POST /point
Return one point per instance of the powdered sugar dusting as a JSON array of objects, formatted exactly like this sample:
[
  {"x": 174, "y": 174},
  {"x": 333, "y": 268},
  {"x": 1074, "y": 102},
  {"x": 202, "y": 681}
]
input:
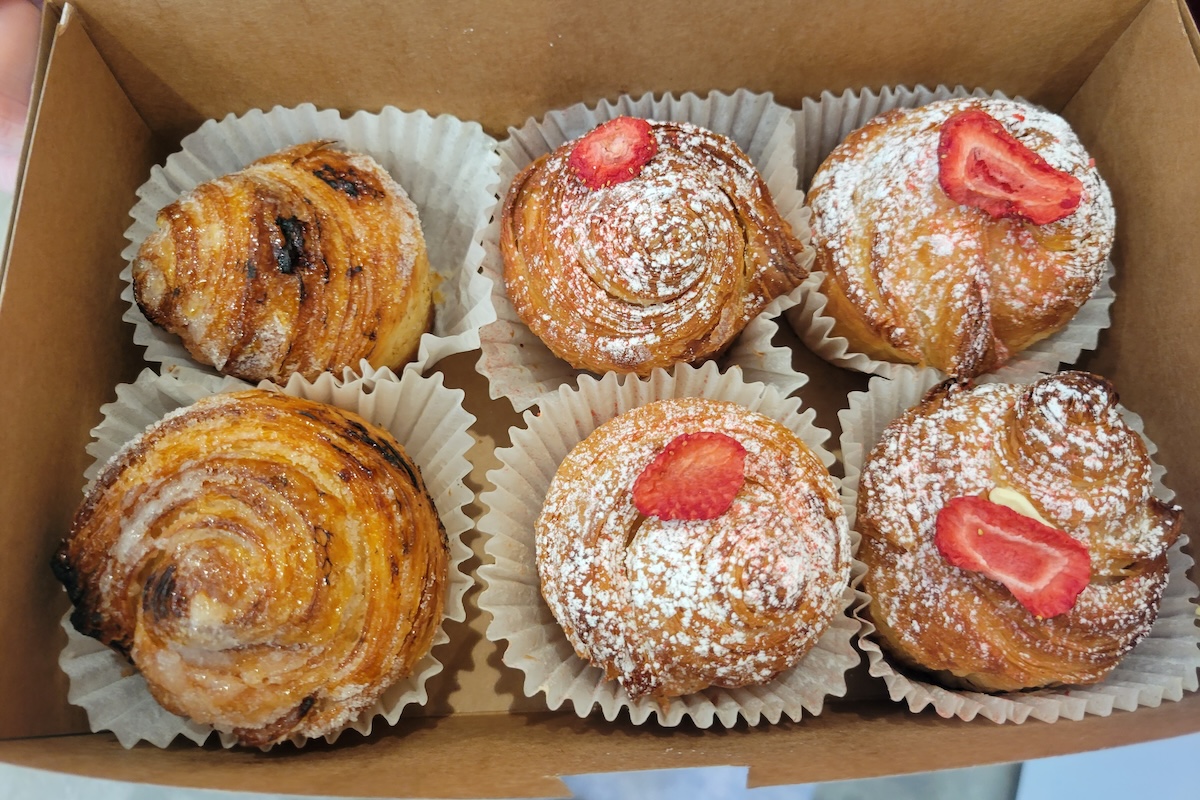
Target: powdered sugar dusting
[
  {"x": 1062, "y": 444},
  {"x": 944, "y": 284},
  {"x": 671, "y": 607}
]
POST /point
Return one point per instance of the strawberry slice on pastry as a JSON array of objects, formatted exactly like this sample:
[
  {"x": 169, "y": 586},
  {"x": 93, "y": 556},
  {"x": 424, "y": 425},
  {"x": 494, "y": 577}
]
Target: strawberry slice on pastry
[
  {"x": 696, "y": 476},
  {"x": 1043, "y": 567},
  {"x": 613, "y": 152},
  {"x": 981, "y": 164}
]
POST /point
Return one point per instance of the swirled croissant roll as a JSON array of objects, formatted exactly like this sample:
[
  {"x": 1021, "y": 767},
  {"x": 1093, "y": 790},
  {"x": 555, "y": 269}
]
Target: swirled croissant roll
[
  {"x": 269, "y": 564},
  {"x": 659, "y": 254},
  {"x": 1010, "y": 534},
  {"x": 308, "y": 260},
  {"x": 957, "y": 234},
  {"x": 692, "y": 543}
]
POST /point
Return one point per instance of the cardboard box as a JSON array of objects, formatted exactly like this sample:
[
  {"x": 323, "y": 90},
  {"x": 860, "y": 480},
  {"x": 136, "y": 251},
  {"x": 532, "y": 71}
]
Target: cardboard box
[{"x": 123, "y": 80}]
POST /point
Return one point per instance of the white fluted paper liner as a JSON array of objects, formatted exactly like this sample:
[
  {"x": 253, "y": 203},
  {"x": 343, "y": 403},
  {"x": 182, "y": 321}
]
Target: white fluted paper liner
[
  {"x": 425, "y": 416},
  {"x": 1161, "y": 667},
  {"x": 518, "y": 366},
  {"x": 821, "y": 125},
  {"x": 512, "y": 595},
  {"x": 447, "y": 167}
]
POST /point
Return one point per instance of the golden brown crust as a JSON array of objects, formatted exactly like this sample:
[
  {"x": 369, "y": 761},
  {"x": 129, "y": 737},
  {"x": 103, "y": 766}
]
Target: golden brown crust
[
  {"x": 664, "y": 268},
  {"x": 269, "y": 564},
  {"x": 672, "y": 607},
  {"x": 307, "y": 260},
  {"x": 1060, "y": 443},
  {"x": 913, "y": 277}
]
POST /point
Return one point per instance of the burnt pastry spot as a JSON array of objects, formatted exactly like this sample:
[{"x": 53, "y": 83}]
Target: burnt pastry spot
[
  {"x": 280, "y": 728},
  {"x": 348, "y": 181},
  {"x": 359, "y": 433},
  {"x": 159, "y": 598},
  {"x": 65, "y": 572},
  {"x": 291, "y": 253}
]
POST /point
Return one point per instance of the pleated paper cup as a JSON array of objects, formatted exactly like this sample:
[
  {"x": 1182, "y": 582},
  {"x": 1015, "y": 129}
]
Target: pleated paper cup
[
  {"x": 516, "y": 362},
  {"x": 1160, "y": 668},
  {"x": 446, "y": 166},
  {"x": 821, "y": 125},
  {"x": 537, "y": 646},
  {"x": 427, "y": 419}
]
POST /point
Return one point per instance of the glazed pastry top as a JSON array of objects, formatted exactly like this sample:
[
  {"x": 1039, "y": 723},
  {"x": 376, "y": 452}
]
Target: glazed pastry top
[
  {"x": 270, "y": 565},
  {"x": 307, "y": 260}
]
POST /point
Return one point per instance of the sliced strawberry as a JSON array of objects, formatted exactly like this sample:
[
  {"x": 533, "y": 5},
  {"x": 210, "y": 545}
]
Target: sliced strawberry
[
  {"x": 613, "y": 152},
  {"x": 981, "y": 164},
  {"x": 696, "y": 476},
  {"x": 1043, "y": 567}
]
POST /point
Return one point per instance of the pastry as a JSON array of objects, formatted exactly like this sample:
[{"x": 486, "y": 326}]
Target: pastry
[
  {"x": 307, "y": 260},
  {"x": 691, "y": 543},
  {"x": 643, "y": 244},
  {"x": 957, "y": 234},
  {"x": 270, "y": 565},
  {"x": 1010, "y": 534}
]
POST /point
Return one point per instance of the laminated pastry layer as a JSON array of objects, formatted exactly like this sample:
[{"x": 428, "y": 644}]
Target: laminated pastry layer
[
  {"x": 308, "y": 260},
  {"x": 1061, "y": 444},
  {"x": 670, "y": 607},
  {"x": 270, "y": 565},
  {"x": 914, "y": 277},
  {"x": 666, "y": 267}
]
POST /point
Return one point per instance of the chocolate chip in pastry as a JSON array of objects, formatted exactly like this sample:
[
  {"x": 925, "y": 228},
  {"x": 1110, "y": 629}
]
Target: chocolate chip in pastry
[
  {"x": 270, "y": 565},
  {"x": 957, "y": 234},
  {"x": 643, "y": 244},
  {"x": 307, "y": 260},
  {"x": 691, "y": 543},
  {"x": 1019, "y": 480}
]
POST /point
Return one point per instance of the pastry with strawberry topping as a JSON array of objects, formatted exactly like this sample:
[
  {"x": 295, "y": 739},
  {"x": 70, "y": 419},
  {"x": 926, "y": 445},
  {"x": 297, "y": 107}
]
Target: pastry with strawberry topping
[
  {"x": 958, "y": 234},
  {"x": 691, "y": 543},
  {"x": 1011, "y": 535},
  {"x": 643, "y": 244}
]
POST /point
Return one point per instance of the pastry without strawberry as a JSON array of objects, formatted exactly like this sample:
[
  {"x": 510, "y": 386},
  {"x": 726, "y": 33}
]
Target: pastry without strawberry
[
  {"x": 1044, "y": 568},
  {"x": 613, "y": 152},
  {"x": 981, "y": 164},
  {"x": 696, "y": 476}
]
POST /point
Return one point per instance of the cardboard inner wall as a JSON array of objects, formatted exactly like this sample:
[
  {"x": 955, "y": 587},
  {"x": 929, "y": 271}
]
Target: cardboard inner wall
[
  {"x": 1139, "y": 114},
  {"x": 183, "y": 62},
  {"x": 63, "y": 348},
  {"x": 177, "y": 63}
]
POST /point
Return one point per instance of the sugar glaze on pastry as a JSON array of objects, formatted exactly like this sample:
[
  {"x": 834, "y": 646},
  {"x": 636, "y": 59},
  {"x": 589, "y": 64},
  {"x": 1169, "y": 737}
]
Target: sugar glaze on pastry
[
  {"x": 669, "y": 607},
  {"x": 1062, "y": 445},
  {"x": 666, "y": 267},
  {"x": 913, "y": 277},
  {"x": 270, "y": 565},
  {"x": 307, "y": 260}
]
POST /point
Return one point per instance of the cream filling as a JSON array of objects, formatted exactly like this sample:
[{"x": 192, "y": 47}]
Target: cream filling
[{"x": 1011, "y": 498}]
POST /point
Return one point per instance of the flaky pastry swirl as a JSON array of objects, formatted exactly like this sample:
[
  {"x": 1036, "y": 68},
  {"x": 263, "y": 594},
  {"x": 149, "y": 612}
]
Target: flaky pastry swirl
[
  {"x": 913, "y": 277},
  {"x": 671, "y": 607},
  {"x": 310, "y": 259},
  {"x": 1062, "y": 444},
  {"x": 270, "y": 565},
  {"x": 666, "y": 267}
]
